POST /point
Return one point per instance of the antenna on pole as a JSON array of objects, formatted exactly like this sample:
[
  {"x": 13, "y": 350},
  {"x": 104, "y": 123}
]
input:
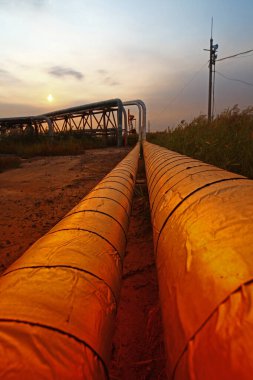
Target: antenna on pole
[{"x": 213, "y": 57}]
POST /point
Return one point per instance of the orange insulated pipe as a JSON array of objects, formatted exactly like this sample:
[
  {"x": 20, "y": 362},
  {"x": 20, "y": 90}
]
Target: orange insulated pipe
[
  {"x": 202, "y": 223},
  {"x": 59, "y": 299}
]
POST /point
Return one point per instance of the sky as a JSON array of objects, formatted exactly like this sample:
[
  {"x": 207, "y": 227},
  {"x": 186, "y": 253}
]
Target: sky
[{"x": 60, "y": 53}]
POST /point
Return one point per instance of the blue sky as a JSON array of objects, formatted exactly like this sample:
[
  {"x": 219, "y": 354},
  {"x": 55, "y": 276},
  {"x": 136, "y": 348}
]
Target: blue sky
[{"x": 82, "y": 51}]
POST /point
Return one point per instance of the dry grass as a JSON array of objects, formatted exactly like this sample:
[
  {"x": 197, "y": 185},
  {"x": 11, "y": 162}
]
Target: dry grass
[
  {"x": 227, "y": 142},
  {"x": 9, "y": 162},
  {"x": 59, "y": 145}
]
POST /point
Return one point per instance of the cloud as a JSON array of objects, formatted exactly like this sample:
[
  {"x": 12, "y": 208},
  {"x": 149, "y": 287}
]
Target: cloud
[
  {"x": 59, "y": 71},
  {"x": 110, "y": 81},
  {"x": 107, "y": 79},
  {"x": 23, "y": 3},
  {"x": 18, "y": 109},
  {"x": 7, "y": 77},
  {"x": 102, "y": 72},
  {"x": 3, "y": 72}
]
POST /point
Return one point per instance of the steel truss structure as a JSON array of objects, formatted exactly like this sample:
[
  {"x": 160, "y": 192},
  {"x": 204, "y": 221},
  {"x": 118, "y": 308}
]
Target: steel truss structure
[{"x": 102, "y": 118}]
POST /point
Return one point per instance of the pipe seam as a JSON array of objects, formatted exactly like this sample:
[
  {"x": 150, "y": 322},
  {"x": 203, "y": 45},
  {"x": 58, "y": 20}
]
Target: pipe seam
[
  {"x": 123, "y": 170},
  {"x": 91, "y": 232},
  {"x": 122, "y": 184},
  {"x": 187, "y": 197},
  {"x": 118, "y": 176},
  {"x": 245, "y": 283},
  {"x": 157, "y": 171},
  {"x": 110, "y": 188},
  {"x": 171, "y": 168},
  {"x": 151, "y": 160},
  {"x": 182, "y": 179},
  {"x": 52, "y": 328},
  {"x": 173, "y": 176},
  {"x": 67, "y": 267},
  {"x": 99, "y": 212},
  {"x": 111, "y": 199}
]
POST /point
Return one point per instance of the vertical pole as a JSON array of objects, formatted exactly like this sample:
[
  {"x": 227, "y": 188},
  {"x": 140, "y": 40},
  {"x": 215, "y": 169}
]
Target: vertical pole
[
  {"x": 126, "y": 126},
  {"x": 210, "y": 81},
  {"x": 105, "y": 128},
  {"x": 119, "y": 142}
]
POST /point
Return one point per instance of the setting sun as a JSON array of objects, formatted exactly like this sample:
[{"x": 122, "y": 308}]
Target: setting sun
[{"x": 50, "y": 98}]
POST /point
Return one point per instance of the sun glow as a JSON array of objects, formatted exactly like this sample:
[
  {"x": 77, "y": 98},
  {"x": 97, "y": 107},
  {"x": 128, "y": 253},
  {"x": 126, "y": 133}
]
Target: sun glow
[{"x": 50, "y": 98}]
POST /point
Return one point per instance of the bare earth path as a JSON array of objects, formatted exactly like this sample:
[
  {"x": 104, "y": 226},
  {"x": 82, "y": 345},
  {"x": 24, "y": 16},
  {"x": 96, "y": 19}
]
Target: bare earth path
[
  {"x": 36, "y": 196},
  {"x": 138, "y": 351}
]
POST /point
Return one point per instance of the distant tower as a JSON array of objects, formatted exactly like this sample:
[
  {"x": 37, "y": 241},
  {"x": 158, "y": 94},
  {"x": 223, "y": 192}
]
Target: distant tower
[{"x": 131, "y": 119}]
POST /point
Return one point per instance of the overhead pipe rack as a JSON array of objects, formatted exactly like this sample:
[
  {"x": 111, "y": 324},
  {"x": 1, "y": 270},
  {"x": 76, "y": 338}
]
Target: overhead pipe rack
[
  {"x": 32, "y": 123},
  {"x": 89, "y": 110},
  {"x": 90, "y": 118},
  {"x": 59, "y": 299},
  {"x": 94, "y": 118},
  {"x": 202, "y": 224},
  {"x": 142, "y": 116}
]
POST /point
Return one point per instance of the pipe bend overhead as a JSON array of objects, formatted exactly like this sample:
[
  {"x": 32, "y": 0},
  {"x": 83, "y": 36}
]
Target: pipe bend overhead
[
  {"x": 59, "y": 299},
  {"x": 202, "y": 224},
  {"x": 142, "y": 116},
  {"x": 116, "y": 104}
]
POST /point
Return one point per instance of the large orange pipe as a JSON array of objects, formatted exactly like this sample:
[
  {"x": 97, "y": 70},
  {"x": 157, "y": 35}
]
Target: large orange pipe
[
  {"x": 58, "y": 301},
  {"x": 202, "y": 223}
]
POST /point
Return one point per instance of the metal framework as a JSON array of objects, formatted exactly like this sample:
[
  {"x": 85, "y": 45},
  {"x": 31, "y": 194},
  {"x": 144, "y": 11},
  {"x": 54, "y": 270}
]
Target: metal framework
[
  {"x": 102, "y": 118},
  {"x": 142, "y": 116},
  {"x": 26, "y": 125}
]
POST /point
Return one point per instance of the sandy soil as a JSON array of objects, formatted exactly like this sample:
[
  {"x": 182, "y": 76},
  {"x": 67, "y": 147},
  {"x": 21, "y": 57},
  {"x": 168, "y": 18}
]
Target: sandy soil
[
  {"x": 138, "y": 351},
  {"x": 36, "y": 196}
]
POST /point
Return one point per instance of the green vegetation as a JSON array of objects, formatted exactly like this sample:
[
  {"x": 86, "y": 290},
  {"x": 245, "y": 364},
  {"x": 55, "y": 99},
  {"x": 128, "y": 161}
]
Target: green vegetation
[
  {"x": 227, "y": 142},
  {"x": 59, "y": 145},
  {"x": 9, "y": 162}
]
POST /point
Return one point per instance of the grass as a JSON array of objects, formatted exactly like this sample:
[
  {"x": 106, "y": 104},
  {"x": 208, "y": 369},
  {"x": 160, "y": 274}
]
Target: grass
[
  {"x": 226, "y": 142},
  {"x": 9, "y": 162},
  {"x": 132, "y": 139},
  {"x": 62, "y": 144}
]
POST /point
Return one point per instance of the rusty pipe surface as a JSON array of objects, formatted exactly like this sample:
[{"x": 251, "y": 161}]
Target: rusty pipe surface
[
  {"x": 59, "y": 299},
  {"x": 202, "y": 224}
]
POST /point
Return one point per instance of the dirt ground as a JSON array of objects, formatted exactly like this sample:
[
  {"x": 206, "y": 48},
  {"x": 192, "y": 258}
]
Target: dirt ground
[{"x": 34, "y": 197}]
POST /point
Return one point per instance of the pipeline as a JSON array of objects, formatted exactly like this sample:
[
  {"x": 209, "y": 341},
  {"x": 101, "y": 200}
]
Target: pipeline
[
  {"x": 202, "y": 224},
  {"x": 59, "y": 299},
  {"x": 92, "y": 106},
  {"x": 142, "y": 116}
]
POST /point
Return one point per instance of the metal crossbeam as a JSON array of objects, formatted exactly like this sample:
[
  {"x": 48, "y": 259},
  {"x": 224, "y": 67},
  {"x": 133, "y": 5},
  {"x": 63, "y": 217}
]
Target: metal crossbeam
[{"x": 101, "y": 118}]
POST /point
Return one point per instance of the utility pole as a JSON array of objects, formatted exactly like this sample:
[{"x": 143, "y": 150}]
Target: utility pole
[
  {"x": 213, "y": 57},
  {"x": 210, "y": 88}
]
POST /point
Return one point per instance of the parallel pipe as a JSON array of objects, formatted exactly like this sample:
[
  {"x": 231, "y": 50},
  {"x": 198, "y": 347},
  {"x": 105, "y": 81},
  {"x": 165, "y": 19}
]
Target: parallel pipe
[
  {"x": 29, "y": 120},
  {"x": 202, "y": 223},
  {"x": 115, "y": 103},
  {"x": 49, "y": 123},
  {"x": 58, "y": 301},
  {"x": 142, "y": 120},
  {"x": 131, "y": 103}
]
